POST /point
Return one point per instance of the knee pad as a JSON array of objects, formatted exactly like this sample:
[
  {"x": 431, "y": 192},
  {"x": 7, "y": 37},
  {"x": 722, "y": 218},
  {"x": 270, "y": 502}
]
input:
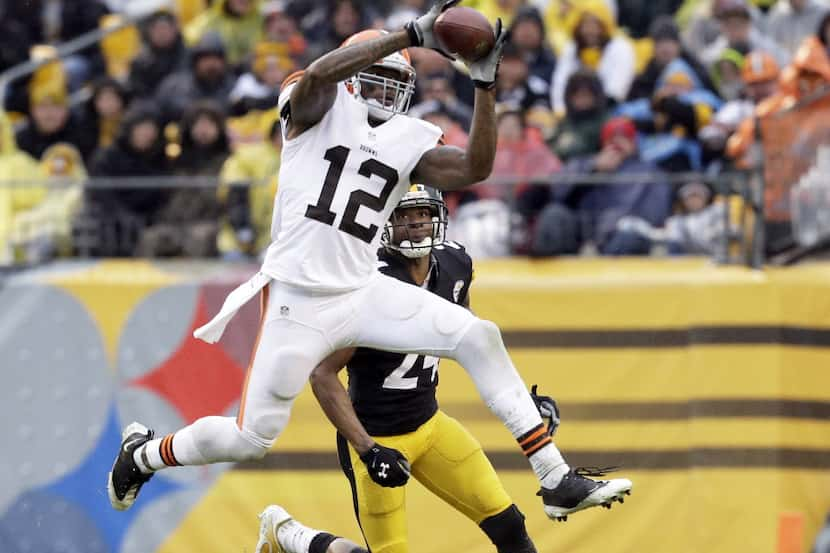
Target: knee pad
[
  {"x": 250, "y": 446},
  {"x": 507, "y": 531}
]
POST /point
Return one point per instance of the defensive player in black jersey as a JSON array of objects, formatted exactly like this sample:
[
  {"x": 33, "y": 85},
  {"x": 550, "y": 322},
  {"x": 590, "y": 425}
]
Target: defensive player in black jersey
[{"x": 393, "y": 396}]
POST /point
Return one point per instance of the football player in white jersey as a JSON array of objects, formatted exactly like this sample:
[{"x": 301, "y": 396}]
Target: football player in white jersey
[{"x": 349, "y": 154}]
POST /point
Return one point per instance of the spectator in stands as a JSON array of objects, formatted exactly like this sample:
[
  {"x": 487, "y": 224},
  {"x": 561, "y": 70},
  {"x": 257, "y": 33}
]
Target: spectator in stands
[
  {"x": 596, "y": 45},
  {"x": 521, "y": 156},
  {"x": 456, "y": 90},
  {"x": 739, "y": 33},
  {"x": 15, "y": 40},
  {"x": 114, "y": 218},
  {"x": 527, "y": 33},
  {"x": 45, "y": 230},
  {"x": 667, "y": 47},
  {"x": 791, "y": 21},
  {"x": 209, "y": 78},
  {"x": 700, "y": 226},
  {"x": 279, "y": 26},
  {"x": 19, "y": 190},
  {"x": 515, "y": 84},
  {"x": 581, "y": 214},
  {"x": 808, "y": 74},
  {"x": 340, "y": 20},
  {"x": 522, "y": 160},
  {"x": 438, "y": 113},
  {"x": 51, "y": 120},
  {"x": 760, "y": 77},
  {"x": 638, "y": 16},
  {"x": 189, "y": 222},
  {"x": 701, "y": 27},
  {"x": 104, "y": 110},
  {"x": 726, "y": 73},
  {"x": 259, "y": 89},
  {"x": 162, "y": 54},
  {"x": 237, "y": 22},
  {"x": 437, "y": 90},
  {"x": 577, "y": 134},
  {"x": 56, "y": 21},
  {"x": 671, "y": 119},
  {"x": 248, "y": 185}
]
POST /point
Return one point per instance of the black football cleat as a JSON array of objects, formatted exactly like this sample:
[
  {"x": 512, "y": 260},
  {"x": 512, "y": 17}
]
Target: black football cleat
[
  {"x": 577, "y": 492},
  {"x": 125, "y": 479}
]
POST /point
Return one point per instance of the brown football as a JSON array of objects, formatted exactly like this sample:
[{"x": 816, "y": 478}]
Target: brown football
[{"x": 464, "y": 32}]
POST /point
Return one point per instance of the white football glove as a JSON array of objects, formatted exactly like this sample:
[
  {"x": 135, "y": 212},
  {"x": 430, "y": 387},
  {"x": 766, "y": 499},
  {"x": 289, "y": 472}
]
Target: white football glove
[
  {"x": 484, "y": 71},
  {"x": 420, "y": 30}
]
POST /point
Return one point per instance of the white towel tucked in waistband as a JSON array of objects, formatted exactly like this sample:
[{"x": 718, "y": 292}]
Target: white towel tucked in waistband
[{"x": 242, "y": 294}]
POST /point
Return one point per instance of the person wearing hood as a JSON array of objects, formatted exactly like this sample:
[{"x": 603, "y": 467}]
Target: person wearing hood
[
  {"x": 759, "y": 75},
  {"x": 671, "y": 119},
  {"x": 15, "y": 197},
  {"x": 104, "y": 110},
  {"x": 45, "y": 229},
  {"x": 583, "y": 213},
  {"x": 50, "y": 118},
  {"x": 189, "y": 222},
  {"x": 596, "y": 44},
  {"x": 577, "y": 133},
  {"x": 208, "y": 78},
  {"x": 248, "y": 185},
  {"x": 668, "y": 47},
  {"x": 791, "y": 21},
  {"x": 259, "y": 88},
  {"x": 335, "y": 21},
  {"x": 808, "y": 74},
  {"x": 739, "y": 33},
  {"x": 116, "y": 216},
  {"x": 527, "y": 33},
  {"x": 162, "y": 54},
  {"x": 516, "y": 85},
  {"x": 237, "y": 22}
]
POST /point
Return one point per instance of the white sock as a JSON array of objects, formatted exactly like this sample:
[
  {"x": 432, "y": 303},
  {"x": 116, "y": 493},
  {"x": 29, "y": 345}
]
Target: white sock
[
  {"x": 294, "y": 537},
  {"x": 148, "y": 458}
]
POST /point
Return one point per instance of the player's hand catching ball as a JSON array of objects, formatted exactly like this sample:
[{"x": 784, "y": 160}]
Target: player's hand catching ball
[
  {"x": 484, "y": 71},
  {"x": 420, "y": 30},
  {"x": 547, "y": 408},
  {"x": 387, "y": 467}
]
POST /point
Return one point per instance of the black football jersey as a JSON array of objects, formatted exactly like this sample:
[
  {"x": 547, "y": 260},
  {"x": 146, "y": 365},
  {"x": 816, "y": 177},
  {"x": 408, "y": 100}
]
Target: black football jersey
[{"x": 394, "y": 393}]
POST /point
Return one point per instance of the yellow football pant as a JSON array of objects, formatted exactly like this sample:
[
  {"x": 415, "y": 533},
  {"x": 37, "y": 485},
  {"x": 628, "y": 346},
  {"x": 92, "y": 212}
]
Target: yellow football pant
[{"x": 447, "y": 460}]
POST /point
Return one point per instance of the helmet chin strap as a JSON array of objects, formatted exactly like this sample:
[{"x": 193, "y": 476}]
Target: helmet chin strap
[{"x": 416, "y": 250}]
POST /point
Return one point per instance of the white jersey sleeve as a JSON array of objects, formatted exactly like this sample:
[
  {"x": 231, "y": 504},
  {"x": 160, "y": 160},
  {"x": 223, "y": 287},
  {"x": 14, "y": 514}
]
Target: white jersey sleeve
[{"x": 339, "y": 182}]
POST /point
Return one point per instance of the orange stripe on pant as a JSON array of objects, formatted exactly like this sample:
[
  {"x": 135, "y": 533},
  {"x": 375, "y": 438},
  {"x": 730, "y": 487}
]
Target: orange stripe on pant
[{"x": 263, "y": 307}]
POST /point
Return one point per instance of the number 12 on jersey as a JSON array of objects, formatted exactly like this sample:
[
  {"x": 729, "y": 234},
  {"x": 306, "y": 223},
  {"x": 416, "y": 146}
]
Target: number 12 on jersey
[
  {"x": 398, "y": 379},
  {"x": 322, "y": 212}
]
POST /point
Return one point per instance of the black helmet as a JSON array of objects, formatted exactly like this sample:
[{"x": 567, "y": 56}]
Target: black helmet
[{"x": 418, "y": 195}]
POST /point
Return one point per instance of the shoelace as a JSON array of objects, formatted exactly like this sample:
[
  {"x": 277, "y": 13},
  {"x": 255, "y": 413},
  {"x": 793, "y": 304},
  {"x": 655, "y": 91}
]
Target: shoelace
[{"x": 595, "y": 472}]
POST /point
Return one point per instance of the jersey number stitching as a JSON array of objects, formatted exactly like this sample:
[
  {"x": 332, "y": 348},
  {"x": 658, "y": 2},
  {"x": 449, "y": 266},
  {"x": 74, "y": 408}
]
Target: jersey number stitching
[
  {"x": 322, "y": 212},
  {"x": 397, "y": 379}
]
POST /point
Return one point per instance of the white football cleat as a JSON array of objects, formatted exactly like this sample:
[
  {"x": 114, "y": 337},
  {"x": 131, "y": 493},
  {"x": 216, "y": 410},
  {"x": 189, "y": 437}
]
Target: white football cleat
[
  {"x": 577, "y": 492},
  {"x": 270, "y": 520}
]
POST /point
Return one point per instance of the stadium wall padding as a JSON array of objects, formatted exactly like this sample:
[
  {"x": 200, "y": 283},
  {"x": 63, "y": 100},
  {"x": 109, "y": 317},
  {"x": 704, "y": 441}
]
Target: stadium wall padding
[{"x": 709, "y": 385}]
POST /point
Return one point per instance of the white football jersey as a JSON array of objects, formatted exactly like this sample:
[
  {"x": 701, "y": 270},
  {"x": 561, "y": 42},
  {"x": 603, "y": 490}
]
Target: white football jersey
[{"x": 338, "y": 184}]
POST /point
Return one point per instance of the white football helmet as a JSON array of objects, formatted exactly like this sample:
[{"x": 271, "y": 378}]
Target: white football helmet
[
  {"x": 417, "y": 196},
  {"x": 395, "y": 94}
]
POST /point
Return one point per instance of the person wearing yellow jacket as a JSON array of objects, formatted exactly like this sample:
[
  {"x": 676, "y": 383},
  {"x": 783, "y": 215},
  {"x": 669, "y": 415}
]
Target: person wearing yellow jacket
[
  {"x": 238, "y": 22},
  {"x": 248, "y": 185},
  {"x": 19, "y": 186}
]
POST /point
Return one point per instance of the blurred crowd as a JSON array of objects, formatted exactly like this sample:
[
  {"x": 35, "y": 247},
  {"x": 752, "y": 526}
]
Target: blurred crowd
[{"x": 631, "y": 90}]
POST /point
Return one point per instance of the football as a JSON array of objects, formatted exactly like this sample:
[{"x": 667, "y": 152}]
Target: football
[{"x": 464, "y": 32}]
